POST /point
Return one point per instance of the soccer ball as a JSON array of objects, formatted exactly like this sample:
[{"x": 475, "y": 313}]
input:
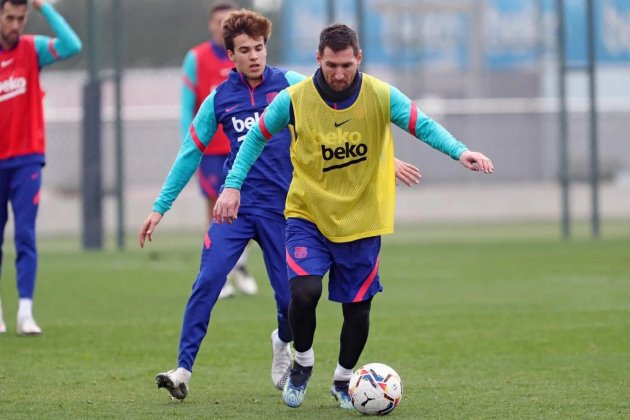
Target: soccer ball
[{"x": 375, "y": 389}]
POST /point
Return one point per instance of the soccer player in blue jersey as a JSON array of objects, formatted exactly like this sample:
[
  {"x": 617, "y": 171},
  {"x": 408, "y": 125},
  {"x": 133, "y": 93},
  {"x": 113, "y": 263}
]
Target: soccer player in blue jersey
[
  {"x": 205, "y": 66},
  {"x": 237, "y": 104},
  {"x": 341, "y": 198},
  {"x": 22, "y": 135}
]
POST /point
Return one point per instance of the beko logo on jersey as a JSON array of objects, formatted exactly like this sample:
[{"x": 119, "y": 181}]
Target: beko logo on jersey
[
  {"x": 350, "y": 148},
  {"x": 244, "y": 125},
  {"x": 12, "y": 87}
]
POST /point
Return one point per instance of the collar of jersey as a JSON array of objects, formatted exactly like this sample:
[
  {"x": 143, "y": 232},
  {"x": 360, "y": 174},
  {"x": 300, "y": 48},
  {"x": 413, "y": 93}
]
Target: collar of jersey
[
  {"x": 235, "y": 76},
  {"x": 330, "y": 95}
]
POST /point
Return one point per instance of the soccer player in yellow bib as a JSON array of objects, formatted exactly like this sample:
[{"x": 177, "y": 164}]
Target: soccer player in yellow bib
[{"x": 342, "y": 195}]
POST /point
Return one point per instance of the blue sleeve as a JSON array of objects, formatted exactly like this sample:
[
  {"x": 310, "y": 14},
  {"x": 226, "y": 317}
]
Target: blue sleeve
[
  {"x": 275, "y": 118},
  {"x": 188, "y": 99},
  {"x": 403, "y": 114},
  {"x": 202, "y": 130},
  {"x": 67, "y": 43}
]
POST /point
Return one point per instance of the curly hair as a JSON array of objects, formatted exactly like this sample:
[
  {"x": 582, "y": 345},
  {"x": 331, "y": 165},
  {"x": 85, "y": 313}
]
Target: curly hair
[{"x": 246, "y": 22}]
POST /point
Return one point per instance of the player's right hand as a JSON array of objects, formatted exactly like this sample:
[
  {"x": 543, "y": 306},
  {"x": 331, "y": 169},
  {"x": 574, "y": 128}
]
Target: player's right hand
[
  {"x": 148, "y": 227},
  {"x": 226, "y": 207},
  {"x": 37, "y": 4}
]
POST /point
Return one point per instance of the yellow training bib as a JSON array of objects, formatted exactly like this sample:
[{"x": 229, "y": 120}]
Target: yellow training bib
[{"x": 343, "y": 163}]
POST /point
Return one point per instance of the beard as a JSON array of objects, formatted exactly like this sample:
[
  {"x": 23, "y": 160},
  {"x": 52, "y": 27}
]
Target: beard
[{"x": 10, "y": 38}]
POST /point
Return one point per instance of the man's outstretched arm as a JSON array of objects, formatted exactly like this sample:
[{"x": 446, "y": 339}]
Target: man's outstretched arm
[
  {"x": 406, "y": 115},
  {"x": 65, "y": 45}
]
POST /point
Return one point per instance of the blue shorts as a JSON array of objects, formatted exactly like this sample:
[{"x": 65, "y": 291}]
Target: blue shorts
[
  {"x": 353, "y": 265},
  {"x": 210, "y": 175}
]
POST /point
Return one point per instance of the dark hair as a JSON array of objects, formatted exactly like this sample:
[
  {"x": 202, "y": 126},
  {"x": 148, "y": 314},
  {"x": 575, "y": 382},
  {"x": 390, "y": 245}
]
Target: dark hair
[
  {"x": 244, "y": 22},
  {"x": 219, "y": 6},
  {"x": 338, "y": 37},
  {"x": 13, "y": 2}
]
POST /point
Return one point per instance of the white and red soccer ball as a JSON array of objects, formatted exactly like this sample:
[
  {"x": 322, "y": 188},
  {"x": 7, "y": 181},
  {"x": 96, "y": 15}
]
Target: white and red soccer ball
[{"x": 375, "y": 389}]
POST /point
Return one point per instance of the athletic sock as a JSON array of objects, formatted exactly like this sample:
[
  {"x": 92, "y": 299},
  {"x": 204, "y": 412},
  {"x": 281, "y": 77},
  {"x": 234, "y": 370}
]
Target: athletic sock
[
  {"x": 342, "y": 374},
  {"x": 278, "y": 344},
  {"x": 242, "y": 259},
  {"x": 306, "y": 359},
  {"x": 25, "y": 308}
]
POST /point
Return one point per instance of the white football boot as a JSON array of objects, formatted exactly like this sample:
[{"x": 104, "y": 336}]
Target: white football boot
[
  {"x": 227, "y": 291},
  {"x": 282, "y": 360},
  {"x": 243, "y": 281},
  {"x": 175, "y": 382},
  {"x": 27, "y": 326}
]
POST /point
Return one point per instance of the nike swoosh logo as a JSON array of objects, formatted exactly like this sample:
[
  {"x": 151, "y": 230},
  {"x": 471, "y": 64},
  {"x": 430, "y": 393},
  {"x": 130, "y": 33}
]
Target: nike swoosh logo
[
  {"x": 341, "y": 123},
  {"x": 232, "y": 108},
  {"x": 6, "y": 63}
]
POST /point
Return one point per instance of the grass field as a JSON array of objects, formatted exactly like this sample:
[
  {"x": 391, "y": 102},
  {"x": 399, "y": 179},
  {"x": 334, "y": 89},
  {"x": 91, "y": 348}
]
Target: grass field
[{"x": 479, "y": 324}]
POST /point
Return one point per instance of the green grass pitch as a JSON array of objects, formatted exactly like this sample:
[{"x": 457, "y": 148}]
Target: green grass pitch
[{"x": 478, "y": 326}]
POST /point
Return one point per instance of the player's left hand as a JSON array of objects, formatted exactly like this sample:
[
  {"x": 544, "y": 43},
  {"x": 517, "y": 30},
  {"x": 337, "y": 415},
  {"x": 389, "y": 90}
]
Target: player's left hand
[
  {"x": 406, "y": 173},
  {"x": 477, "y": 162},
  {"x": 226, "y": 207}
]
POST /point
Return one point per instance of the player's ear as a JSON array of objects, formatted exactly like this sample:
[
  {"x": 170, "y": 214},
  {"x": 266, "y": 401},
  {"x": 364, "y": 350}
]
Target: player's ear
[
  {"x": 359, "y": 57},
  {"x": 319, "y": 58},
  {"x": 230, "y": 54}
]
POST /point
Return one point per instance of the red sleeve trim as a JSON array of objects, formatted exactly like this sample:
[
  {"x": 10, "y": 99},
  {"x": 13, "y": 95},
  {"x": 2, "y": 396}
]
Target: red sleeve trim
[
  {"x": 413, "y": 118},
  {"x": 195, "y": 137},
  {"x": 189, "y": 84},
  {"x": 263, "y": 127},
  {"x": 52, "y": 49}
]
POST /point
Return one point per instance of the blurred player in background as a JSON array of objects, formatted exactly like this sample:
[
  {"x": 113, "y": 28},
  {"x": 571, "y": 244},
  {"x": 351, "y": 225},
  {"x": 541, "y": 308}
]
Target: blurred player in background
[
  {"x": 237, "y": 104},
  {"x": 342, "y": 194},
  {"x": 22, "y": 142},
  {"x": 205, "y": 66}
]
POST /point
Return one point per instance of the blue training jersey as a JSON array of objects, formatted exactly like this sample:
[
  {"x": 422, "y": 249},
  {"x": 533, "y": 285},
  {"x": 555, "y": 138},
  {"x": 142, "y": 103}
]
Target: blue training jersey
[{"x": 237, "y": 107}]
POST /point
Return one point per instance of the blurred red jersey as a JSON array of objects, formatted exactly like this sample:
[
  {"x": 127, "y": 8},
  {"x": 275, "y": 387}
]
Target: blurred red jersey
[
  {"x": 211, "y": 71},
  {"x": 21, "y": 112}
]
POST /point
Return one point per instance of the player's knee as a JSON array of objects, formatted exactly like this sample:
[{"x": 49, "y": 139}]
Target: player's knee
[
  {"x": 209, "y": 282},
  {"x": 24, "y": 238},
  {"x": 357, "y": 312},
  {"x": 306, "y": 290}
]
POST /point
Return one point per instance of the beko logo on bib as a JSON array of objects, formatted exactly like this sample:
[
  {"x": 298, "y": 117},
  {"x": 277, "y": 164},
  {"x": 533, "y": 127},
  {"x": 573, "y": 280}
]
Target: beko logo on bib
[
  {"x": 12, "y": 87},
  {"x": 244, "y": 125},
  {"x": 344, "y": 146}
]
